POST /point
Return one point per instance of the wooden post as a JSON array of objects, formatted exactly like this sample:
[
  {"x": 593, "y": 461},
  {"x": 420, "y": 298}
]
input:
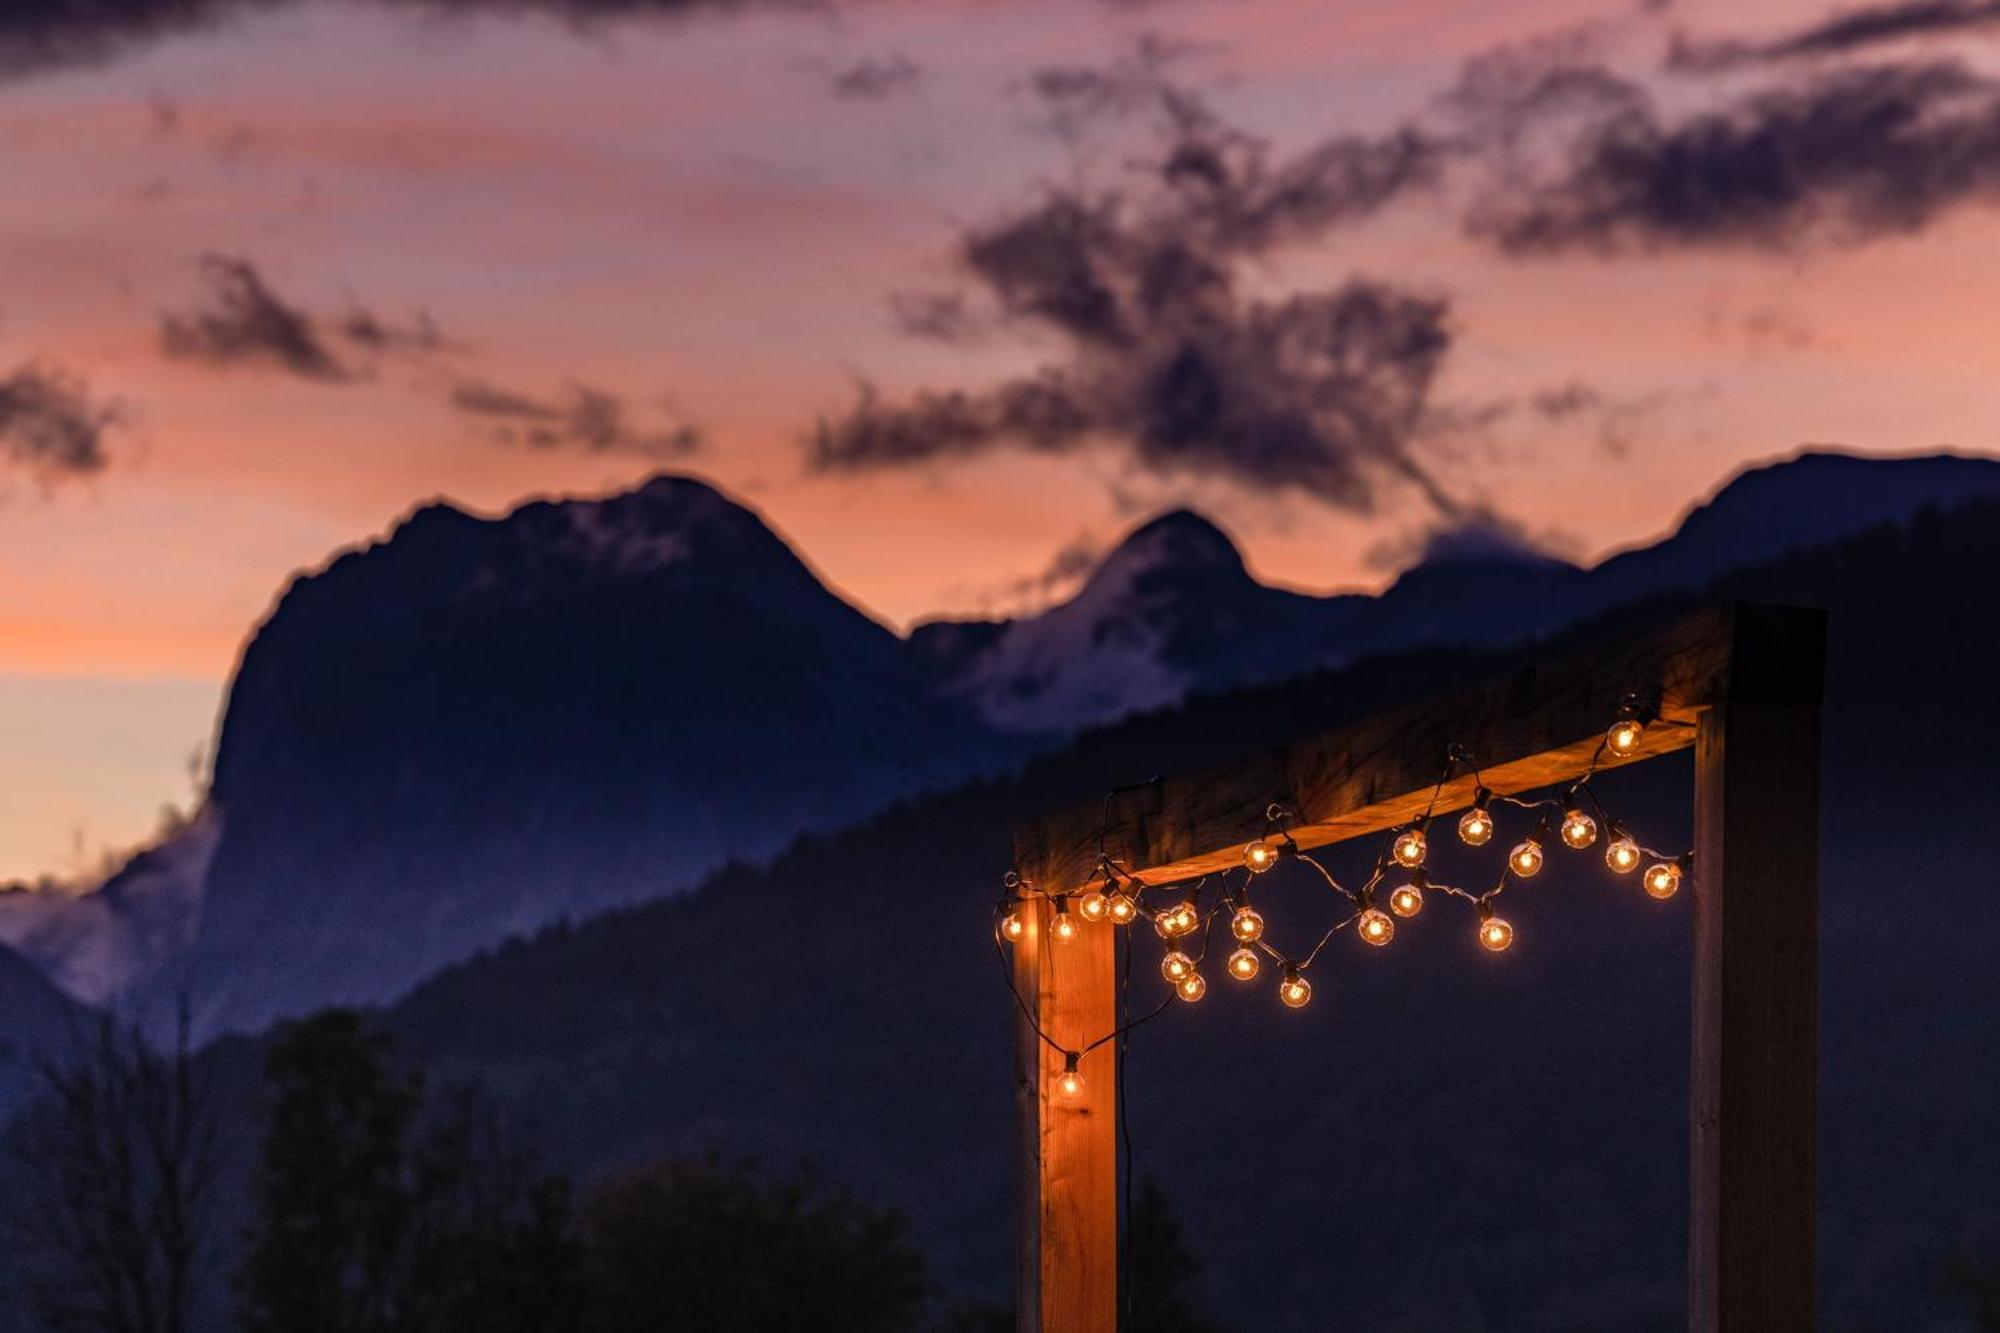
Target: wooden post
[
  {"x": 1756, "y": 967},
  {"x": 1067, "y": 1274}
]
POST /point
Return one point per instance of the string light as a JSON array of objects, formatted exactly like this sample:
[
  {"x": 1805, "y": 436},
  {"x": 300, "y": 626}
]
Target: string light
[
  {"x": 1178, "y": 920},
  {"x": 1579, "y": 830},
  {"x": 1409, "y": 847},
  {"x": 1121, "y": 907},
  {"x": 1247, "y": 924},
  {"x": 1064, "y": 926},
  {"x": 1475, "y": 826},
  {"x": 1114, "y": 891},
  {"x": 1625, "y": 734}
]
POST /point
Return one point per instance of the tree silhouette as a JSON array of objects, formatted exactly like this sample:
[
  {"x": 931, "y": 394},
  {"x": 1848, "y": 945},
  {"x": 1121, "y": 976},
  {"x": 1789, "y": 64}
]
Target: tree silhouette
[
  {"x": 1159, "y": 1270},
  {"x": 380, "y": 1210},
  {"x": 115, "y": 1168},
  {"x": 706, "y": 1246}
]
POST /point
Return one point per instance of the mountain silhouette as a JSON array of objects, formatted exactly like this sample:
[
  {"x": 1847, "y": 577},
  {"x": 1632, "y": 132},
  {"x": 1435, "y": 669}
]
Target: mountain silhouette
[{"x": 477, "y": 726}]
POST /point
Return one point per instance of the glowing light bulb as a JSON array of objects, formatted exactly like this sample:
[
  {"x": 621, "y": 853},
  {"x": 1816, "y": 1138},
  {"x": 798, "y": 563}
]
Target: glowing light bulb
[
  {"x": 1407, "y": 901},
  {"x": 1191, "y": 987},
  {"x": 1294, "y": 990},
  {"x": 1069, "y": 1083},
  {"x": 1064, "y": 927},
  {"x": 1247, "y": 925},
  {"x": 1623, "y": 738},
  {"x": 1475, "y": 826},
  {"x": 1118, "y": 905},
  {"x": 1176, "y": 966},
  {"x": 1243, "y": 964},
  {"x": 1578, "y": 829},
  {"x": 1260, "y": 856},
  {"x": 1663, "y": 880},
  {"x": 1092, "y": 906},
  {"x": 1526, "y": 858},
  {"x": 1012, "y": 927},
  {"x": 1494, "y": 932},
  {"x": 1623, "y": 855},
  {"x": 1376, "y": 926},
  {"x": 1176, "y": 921},
  {"x": 1409, "y": 848}
]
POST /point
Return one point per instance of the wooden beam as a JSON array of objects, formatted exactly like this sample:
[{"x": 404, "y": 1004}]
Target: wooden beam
[
  {"x": 1756, "y": 967},
  {"x": 1537, "y": 726}
]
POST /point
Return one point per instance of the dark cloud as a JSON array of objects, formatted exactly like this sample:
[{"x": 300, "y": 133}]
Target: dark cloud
[
  {"x": 50, "y": 425},
  {"x": 590, "y": 419},
  {"x": 39, "y": 35},
  {"x": 1165, "y": 358},
  {"x": 364, "y": 328},
  {"x": 1318, "y": 392},
  {"x": 1844, "y": 33},
  {"x": 877, "y": 78},
  {"x": 1847, "y": 154},
  {"x": 943, "y": 316},
  {"x": 1478, "y": 537},
  {"x": 242, "y": 321}
]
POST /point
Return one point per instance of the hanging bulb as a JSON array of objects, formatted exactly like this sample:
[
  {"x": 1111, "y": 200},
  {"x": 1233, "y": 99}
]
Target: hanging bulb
[
  {"x": 1494, "y": 932},
  {"x": 1578, "y": 829},
  {"x": 1663, "y": 880},
  {"x": 1191, "y": 987},
  {"x": 1176, "y": 921},
  {"x": 1247, "y": 925},
  {"x": 1176, "y": 966},
  {"x": 1526, "y": 858},
  {"x": 1623, "y": 855},
  {"x": 1260, "y": 856},
  {"x": 1118, "y": 905},
  {"x": 1623, "y": 738},
  {"x": 1064, "y": 926},
  {"x": 1376, "y": 926},
  {"x": 1409, "y": 847},
  {"x": 1408, "y": 900},
  {"x": 1012, "y": 928},
  {"x": 1243, "y": 964},
  {"x": 1294, "y": 990},
  {"x": 1092, "y": 905},
  {"x": 1475, "y": 826},
  {"x": 1069, "y": 1083}
]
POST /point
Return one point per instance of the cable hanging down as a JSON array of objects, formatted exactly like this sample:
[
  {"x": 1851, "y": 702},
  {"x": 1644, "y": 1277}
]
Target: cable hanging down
[{"x": 1117, "y": 897}]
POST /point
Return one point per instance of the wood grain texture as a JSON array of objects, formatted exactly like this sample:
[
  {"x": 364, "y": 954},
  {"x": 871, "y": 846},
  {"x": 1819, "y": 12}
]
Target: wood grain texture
[
  {"x": 1754, "y": 1075},
  {"x": 1067, "y": 1277},
  {"x": 1537, "y": 726}
]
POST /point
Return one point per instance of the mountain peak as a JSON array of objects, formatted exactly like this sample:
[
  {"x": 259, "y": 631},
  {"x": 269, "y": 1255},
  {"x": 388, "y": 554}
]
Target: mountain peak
[{"x": 1179, "y": 540}]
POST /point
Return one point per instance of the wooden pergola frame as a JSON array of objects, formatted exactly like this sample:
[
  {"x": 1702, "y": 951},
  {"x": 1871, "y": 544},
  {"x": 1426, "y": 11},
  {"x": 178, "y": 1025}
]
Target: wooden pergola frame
[{"x": 1741, "y": 685}]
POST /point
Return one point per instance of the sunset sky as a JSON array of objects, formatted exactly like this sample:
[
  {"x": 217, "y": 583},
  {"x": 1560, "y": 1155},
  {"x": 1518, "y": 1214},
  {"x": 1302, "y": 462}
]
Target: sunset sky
[{"x": 1553, "y": 269}]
